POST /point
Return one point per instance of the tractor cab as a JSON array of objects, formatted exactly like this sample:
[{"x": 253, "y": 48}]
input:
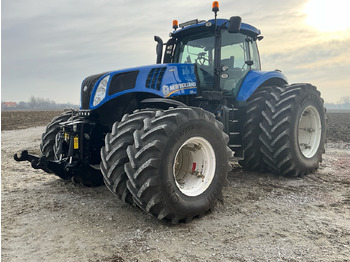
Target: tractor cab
[{"x": 222, "y": 56}]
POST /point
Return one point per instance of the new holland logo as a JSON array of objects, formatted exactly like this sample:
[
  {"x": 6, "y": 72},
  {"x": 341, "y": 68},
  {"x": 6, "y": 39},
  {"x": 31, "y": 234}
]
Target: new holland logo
[{"x": 168, "y": 90}]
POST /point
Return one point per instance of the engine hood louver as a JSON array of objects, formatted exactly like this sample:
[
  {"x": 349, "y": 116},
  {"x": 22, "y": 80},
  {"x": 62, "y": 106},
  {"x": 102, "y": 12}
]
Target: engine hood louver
[{"x": 155, "y": 77}]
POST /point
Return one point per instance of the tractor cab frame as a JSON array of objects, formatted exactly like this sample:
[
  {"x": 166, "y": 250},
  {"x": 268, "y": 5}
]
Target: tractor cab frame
[{"x": 223, "y": 57}]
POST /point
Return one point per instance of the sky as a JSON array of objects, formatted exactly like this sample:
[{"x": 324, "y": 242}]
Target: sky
[{"x": 48, "y": 47}]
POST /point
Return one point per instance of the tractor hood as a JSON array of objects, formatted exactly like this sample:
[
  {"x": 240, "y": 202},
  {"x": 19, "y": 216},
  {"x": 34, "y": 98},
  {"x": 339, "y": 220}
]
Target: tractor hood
[{"x": 163, "y": 80}]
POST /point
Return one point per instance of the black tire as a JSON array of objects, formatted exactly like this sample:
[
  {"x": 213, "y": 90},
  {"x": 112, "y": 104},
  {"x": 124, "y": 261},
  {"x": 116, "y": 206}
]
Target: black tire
[
  {"x": 294, "y": 130},
  {"x": 113, "y": 154},
  {"x": 88, "y": 176},
  {"x": 256, "y": 104},
  {"x": 49, "y": 136},
  {"x": 162, "y": 141}
]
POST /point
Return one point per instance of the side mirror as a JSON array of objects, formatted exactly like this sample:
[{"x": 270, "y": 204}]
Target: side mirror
[{"x": 235, "y": 24}]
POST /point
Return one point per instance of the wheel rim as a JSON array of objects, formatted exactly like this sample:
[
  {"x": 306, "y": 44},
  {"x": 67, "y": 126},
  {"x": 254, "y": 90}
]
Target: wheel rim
[
  {"x": 309, "y": 132},
  {"x": 194, "y": 166}
]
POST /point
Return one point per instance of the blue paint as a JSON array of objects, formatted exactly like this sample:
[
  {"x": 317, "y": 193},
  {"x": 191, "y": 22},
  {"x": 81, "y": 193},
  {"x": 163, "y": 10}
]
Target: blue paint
[
  {"x": 253, "y": 80},
  {"x": 178, "y": 79}
]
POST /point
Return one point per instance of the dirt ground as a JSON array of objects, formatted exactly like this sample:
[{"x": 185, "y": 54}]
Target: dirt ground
[
  {"x": 338, "y": 123},
  {"x": 262, "y": 218},
  {"x": 11, "y": 120}
]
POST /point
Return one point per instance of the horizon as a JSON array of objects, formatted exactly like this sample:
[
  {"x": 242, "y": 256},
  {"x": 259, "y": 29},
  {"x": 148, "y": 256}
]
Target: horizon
[
  {"x": 48, "y": 49},
  {"x": 336, "y": 105}
]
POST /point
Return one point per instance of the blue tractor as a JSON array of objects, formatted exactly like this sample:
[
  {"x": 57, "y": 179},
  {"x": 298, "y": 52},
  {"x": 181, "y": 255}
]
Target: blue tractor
[{"x": 161, "y": 137}]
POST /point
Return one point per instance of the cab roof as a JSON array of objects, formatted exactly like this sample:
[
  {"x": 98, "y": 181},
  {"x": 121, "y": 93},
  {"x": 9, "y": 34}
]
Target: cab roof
[{"x": 197, "y": 25}]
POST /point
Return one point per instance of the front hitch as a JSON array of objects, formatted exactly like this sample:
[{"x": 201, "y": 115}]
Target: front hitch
[
  {"x": 73, "y": 153},
  {"x": 49, "y": 166},
  {"x": 66, "y": 169}
]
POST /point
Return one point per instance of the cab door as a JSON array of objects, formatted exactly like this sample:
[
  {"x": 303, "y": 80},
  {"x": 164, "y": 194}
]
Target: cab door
[{"x": 238, "y": 57}]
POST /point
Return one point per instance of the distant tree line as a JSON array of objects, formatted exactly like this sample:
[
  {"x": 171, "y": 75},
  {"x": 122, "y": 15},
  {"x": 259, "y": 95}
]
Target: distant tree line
[
  {"x": 36, "y": 103},
  {"x": 343, "y": 104}
]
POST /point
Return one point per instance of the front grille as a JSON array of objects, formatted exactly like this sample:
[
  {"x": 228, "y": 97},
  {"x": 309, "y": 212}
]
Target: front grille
[
  {"x": 155, "y": 77},
  {"x": 89, "y": 82}
]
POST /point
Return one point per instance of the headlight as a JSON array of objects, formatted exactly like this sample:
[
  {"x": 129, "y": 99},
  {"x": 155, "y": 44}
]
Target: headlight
[{"x": 101, "y": 91}]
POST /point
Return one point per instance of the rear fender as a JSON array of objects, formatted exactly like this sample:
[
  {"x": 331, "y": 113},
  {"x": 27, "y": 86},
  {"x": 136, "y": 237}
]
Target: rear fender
[{"x": 254, "y": 79}]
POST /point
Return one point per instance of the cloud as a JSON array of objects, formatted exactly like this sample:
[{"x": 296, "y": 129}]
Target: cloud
[
  {"x": 323, "y": 63},
  {"x": 49, "y": 47},
  {"x": 62, "y": 42}
]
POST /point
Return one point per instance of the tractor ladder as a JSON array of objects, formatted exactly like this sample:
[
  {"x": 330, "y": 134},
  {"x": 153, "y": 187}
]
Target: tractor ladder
[{"x": 234, "y": 132}]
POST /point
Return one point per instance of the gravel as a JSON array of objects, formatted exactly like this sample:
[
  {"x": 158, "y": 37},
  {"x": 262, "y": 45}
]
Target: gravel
[{"x": 263, "y": 217}]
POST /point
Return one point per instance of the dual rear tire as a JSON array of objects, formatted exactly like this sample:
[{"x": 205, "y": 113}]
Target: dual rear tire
[{"x": 289, "y": 130}]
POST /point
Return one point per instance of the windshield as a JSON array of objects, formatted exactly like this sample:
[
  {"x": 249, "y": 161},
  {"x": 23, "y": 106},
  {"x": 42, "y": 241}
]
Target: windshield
[
  {"x": 238, "y": 55},
  {"x": 198, "y": 49}
]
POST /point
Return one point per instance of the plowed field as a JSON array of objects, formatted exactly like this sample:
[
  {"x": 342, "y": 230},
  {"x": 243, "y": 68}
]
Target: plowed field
[{"x": 263, "y": 217}]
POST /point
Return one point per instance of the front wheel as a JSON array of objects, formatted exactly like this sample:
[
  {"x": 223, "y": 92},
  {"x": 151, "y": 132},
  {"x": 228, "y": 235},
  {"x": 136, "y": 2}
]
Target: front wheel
[
  {"x": 86, "y": 174},
  {"x": 48, "y": 137},
  {"x": 113, "y": 154},
  {"x": 178, "y": 164}
]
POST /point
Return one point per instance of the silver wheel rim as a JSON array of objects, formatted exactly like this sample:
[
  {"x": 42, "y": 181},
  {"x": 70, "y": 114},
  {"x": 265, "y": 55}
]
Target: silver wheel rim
[
  {"x": 194, "y": 166},
  {"x": 309, "y": 131}
]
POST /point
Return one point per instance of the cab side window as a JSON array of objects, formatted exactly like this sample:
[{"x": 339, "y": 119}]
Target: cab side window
[
  {"x": 234, "y": 54},
  {"x": 254, "y": 53}
]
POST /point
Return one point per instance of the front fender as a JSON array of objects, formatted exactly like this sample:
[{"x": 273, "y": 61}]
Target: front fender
[{"x": 254, "y": 79}]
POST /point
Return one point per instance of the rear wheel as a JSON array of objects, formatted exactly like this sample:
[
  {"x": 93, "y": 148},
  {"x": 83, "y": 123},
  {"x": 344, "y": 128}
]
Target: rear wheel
[
  {"x": 178, "y": 164},
  {"x": 256, "y": 104},
  {"x": 309, "y": 131},
  {"x": 295, "y": 131}
]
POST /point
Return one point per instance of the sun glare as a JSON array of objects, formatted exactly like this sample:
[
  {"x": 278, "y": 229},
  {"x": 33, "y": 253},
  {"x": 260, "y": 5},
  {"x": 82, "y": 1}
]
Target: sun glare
[{"x": 328, "y": 15}]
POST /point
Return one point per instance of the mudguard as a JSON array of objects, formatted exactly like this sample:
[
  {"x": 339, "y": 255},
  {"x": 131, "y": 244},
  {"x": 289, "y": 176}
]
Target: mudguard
[{"x": 254, "y": 79}]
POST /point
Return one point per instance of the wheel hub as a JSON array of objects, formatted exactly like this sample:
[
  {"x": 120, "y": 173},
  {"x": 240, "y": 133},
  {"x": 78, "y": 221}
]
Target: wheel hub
[
  {"x": 309, "y": 131},
  {"x": 194, "y": 166}
]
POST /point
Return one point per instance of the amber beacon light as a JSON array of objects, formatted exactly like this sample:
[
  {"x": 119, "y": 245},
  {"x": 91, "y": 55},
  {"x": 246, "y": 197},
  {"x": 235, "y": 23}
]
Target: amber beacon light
[
  {"x": 215, "y": 6},
  {"x": 175, "y": 24}
]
